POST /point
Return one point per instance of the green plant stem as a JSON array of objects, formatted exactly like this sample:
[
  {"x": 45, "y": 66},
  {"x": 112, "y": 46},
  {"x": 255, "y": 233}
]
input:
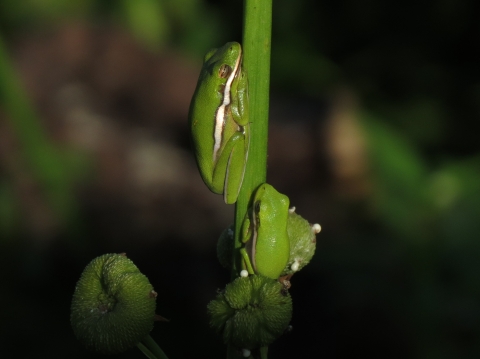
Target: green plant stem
[
  {"x": 257, "y": 29},
  {"x": 151, "y": 349},
  {"x": 145, "y": 351},
  {"x": 263, "y": 352},
  {"x": 256, "y": 62}
]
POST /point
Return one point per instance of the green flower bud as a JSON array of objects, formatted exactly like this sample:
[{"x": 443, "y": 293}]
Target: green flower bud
[
  {"x": 251, "y": 312},
  {"x": 113, "y": 306},
  {"x": 303, "y": 241}
]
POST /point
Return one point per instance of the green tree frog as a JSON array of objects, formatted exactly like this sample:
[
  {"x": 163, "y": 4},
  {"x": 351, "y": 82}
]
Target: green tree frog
[
  {"x": 264, "y": 232},
  {"x": 218, "y": 120}
]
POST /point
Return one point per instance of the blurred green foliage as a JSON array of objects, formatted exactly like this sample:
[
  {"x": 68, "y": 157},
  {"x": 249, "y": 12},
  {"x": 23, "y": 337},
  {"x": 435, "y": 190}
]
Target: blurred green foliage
[
  {"x": 400, "y": 181},
  {"x": 55, "y": 170},
  {"x": 156, "y": 23},
  {"x": 20, "y": 15},
  {"x": 402, "y": 275}
]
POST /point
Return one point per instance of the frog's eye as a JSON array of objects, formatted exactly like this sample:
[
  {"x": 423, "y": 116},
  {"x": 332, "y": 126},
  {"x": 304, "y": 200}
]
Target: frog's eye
[
  {"x": 224, "y": 71},
  {"x": 257, "y": 213},
  {"x": 257, "y": 206}
]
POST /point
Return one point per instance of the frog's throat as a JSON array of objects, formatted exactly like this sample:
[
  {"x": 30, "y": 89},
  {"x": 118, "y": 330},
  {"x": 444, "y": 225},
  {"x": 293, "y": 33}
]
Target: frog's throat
[{"x": 220, "y": 116}]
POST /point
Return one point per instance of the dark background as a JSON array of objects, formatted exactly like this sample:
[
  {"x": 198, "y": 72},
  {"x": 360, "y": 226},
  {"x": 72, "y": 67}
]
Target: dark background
[{"x": 373, "y": 134}]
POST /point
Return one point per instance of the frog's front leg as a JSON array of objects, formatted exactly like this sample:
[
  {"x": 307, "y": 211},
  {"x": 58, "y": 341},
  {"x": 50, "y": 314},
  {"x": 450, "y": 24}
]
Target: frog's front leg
[
  {"x": 230, "y": 167},
  {"x": 248, "y": 239},
  {"x": 246, "y": 260},
  {"x": 239, "y": 106}
]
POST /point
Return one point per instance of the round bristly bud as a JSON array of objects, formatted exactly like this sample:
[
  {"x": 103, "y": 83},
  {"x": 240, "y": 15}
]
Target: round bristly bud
[
  {"x": 113, "y": 306},
  {"x": 225, "y": 245},
  {"x": 302, "y": 242},
  {"x": 251, "y": 312}
]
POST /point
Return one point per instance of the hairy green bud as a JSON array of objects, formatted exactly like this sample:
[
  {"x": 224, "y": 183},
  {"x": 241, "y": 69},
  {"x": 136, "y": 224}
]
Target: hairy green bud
[
  {"x": 251, "y": 312},
  {"x": 113, "y": 306},
  {"x": 303, "y": 241}
]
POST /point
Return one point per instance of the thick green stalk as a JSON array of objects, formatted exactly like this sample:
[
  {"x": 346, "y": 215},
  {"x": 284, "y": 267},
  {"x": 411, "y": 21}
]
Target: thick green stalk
[
  {"x": 256, "y": 62},
  {"x": 257, "y": 28},
  {"x": 145, "y": 351},
  {"x": 151, "y": 349}
]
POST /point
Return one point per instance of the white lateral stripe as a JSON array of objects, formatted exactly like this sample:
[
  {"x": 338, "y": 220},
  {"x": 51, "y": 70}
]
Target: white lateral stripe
[{"x": 220, "y": 115}]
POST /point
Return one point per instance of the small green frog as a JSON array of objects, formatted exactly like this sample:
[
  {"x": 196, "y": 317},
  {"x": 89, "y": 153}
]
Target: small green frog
[{"x": 219, "y": 123}]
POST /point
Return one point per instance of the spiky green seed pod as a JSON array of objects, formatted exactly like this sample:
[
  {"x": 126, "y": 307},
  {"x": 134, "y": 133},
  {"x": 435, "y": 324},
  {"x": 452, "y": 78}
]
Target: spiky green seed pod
[
  {"x": 251, "y": 312},
  {"x": 225, "y": 245},
  {"x": 303, "y": 241},
  {"x": 113, "y": 306}
]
